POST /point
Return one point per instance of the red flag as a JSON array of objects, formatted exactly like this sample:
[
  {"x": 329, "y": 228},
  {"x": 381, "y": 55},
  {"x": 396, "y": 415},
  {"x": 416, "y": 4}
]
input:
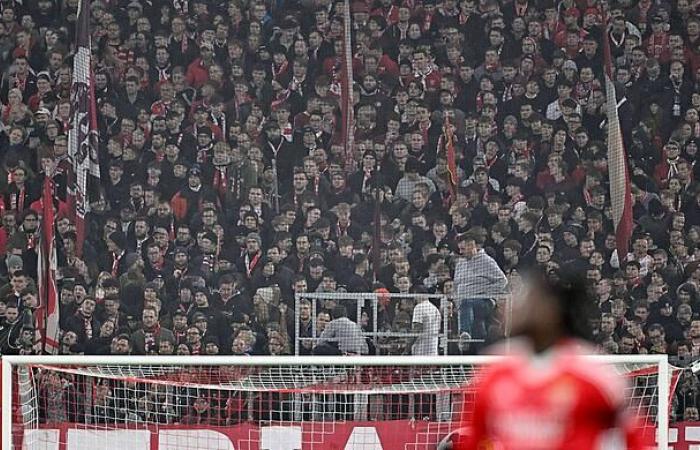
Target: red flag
[
  {"x": 82, "y": 136},
  {"x": 620, "y": 190},
  {"x": 346, "y": 93},
  {"x": 446, "y": 145},
  {"x": 47, "y": 314},
  {"x": 450, "y": 153}
]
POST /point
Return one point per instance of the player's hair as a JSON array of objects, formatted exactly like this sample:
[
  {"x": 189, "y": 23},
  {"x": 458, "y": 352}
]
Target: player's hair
[{"x": 571, "y": 293}]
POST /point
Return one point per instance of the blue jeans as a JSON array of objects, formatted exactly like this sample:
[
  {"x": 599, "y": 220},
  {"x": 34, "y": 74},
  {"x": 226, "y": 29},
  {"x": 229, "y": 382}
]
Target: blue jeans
[{"x": 474, "y": 315}]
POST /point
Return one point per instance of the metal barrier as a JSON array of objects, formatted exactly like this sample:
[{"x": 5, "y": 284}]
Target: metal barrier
[{"x": 384, "y": 318}]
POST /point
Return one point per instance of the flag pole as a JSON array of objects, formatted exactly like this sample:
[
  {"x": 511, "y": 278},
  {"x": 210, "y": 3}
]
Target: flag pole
[
  {"x": 377, "y": 240},
  {"x": 275, "y": 187}
]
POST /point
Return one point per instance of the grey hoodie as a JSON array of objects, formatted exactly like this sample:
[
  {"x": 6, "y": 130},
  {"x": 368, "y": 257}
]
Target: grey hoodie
[{"x": 479, "y": 277}]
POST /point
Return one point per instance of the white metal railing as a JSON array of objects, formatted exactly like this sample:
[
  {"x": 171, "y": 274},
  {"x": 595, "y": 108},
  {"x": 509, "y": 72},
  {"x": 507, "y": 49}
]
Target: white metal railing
[{"x": 368, "y": 303}]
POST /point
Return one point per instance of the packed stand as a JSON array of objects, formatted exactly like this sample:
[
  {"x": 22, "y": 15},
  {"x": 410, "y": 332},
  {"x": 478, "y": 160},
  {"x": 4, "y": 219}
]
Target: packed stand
[{"x": 227, "y": 188}]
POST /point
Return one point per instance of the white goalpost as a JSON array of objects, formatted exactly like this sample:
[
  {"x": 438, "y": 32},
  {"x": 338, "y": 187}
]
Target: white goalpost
[{"x": 271, "y": 403}]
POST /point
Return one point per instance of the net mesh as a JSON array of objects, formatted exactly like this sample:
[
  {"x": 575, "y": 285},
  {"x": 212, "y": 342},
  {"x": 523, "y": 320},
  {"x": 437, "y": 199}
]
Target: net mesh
[{"x": 301, "y": 406}]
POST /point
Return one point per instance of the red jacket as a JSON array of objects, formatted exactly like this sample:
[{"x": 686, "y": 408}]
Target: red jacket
[
  {"x": 665, "y": 170},
  {"x": 197, "y": 74}
]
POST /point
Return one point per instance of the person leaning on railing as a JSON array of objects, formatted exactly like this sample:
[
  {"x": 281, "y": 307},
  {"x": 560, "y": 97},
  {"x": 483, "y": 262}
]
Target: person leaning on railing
[
  {"x": 478, "y": 281},
  {"x": 341, "y": 336}
]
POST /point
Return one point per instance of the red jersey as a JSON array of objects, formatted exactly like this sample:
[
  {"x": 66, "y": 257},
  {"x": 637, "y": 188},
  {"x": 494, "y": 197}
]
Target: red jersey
[{"x": 556, "y": 401}]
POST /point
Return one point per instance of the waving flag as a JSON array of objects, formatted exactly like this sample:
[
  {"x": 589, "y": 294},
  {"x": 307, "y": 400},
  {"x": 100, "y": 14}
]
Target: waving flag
[
  {"x": 446, "y": 145},
  {"x": 346, "y": 94},
  {"x": 47, "y": 314},
  {"x": 82, "y": 136},
  {"x": 450, "y": 153},
  {"x": 620, "y": 191}
]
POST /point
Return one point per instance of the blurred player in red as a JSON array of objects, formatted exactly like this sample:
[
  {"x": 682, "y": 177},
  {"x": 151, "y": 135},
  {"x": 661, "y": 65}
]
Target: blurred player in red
[{"x": 544, "y": 395}]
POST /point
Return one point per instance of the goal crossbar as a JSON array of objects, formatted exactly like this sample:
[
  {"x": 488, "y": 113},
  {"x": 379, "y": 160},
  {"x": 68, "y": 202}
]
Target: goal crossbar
[
  {"x": 658, "y": 363},
  {"x": 407, "y": 360}
]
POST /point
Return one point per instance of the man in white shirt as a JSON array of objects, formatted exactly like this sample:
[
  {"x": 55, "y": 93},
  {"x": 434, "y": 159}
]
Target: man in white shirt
[
  {"x": 425, "y": 342},
  {"x": 426, "y": 324}
]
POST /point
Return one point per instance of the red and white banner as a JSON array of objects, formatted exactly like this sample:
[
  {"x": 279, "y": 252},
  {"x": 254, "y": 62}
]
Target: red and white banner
[
  {"x": 684, "y": 436},
  {"x": 346, "y": 92},
  {"x": 47, "y": 314},
  {"x": 446, "y": 145},
  {"x": 82, "y": 136},
  {"x": 382, "y": 435},
  {"x": 620, "y": 189}
]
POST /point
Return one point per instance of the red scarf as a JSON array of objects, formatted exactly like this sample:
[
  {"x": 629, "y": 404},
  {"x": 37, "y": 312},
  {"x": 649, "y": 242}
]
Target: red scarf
[
  {"x": 427, "y": 21},
  {"x": 203, "y": 154},
  {"x": 672, "y": 167},
  {"x": 155, "y": 331},
  {"x": 220, "y": 181},
  {"x": 21, "y": 83},
  {"x": 251, "y": 263},
  {"x": 657, "y": 45},
  {"x": 491, "y": 162},
  {"x": 343, "y": 230},
  {"x": 183, "y": 44},
  {"x": 515, "y": 199},
  {"x": 17, "y": 200},
  {"x": 163, "y": 73},
  {"x": 277, "y": 72},
  {"x": 115, "y": 264},
  {"x": 88, "y": 326},
  {"x": 587, "y": 196}
]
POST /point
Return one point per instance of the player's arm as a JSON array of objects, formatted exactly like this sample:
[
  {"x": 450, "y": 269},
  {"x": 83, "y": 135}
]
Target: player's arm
[{"x": 416, "y": 329}]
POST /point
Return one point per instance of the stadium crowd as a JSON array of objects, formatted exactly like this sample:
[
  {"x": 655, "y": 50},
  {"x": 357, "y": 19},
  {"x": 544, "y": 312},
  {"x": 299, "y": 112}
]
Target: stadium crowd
[{"x": 227, "y": 188}]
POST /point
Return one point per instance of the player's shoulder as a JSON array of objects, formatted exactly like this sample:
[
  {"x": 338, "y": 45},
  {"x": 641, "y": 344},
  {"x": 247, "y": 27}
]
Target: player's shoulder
[
  {"x": 572, "y": 360},
  {"x": 578, "y": 359},
  {"x": 509, "y": 358}
]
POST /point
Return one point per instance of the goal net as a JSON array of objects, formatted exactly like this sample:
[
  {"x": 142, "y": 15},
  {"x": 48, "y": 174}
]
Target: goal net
[{"x": 271, "y": 403}]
